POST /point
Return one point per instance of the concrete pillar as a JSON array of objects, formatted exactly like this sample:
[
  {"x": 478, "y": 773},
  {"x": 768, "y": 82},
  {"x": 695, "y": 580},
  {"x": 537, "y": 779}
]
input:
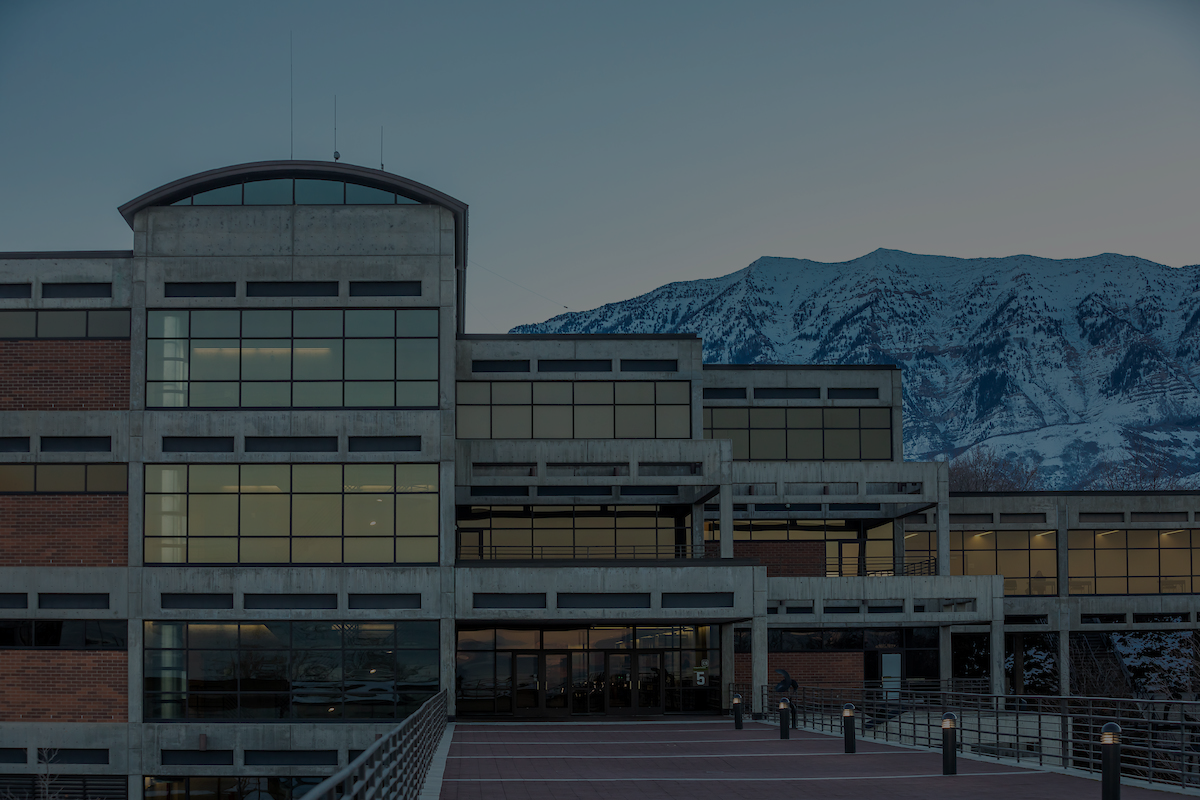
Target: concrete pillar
[
  {"x": 698, "y": 530},
  {"x": 1064, "y": 655},
  {"x": 728, "y": 669},
  {"x": 945, "y": 663},
  {"x": 726, "y": 502},
  {"x": 898, "y": 543},
  {"x": 449, "y": 638},
  {"x": 1060, "y": 542},
  {"x": 997, "y": 656},
  {"x": 943, "y": 518},
  {"x": 758, "y": 639}
]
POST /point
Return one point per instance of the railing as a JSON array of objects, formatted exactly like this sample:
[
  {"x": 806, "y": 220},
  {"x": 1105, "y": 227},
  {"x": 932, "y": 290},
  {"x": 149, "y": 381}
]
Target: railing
[
  {"x": 876, "y": 566},
  {"x": 394, "y": 767},
  {"x": 498, "y": 552},
  {"x": 1160, "y": 739}
]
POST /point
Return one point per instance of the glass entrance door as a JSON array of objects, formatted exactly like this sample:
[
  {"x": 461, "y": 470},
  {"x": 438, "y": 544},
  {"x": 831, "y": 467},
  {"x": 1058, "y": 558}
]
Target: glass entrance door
[
  {"x": 635, "y": 683},
  {"x": 620, "y": 683},
  {"x": 526, "y": 683},
  {"x": 649, "y": 683},
  {"x": 851, "y": 558},
  {"x": 557, "y": 694}
]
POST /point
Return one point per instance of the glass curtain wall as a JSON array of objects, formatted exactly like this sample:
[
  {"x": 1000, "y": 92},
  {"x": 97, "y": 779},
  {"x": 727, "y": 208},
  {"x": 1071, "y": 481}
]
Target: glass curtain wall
[
  {"x": 803, "y": 434},
  {"x": 291, "y": 513},
  {"x": 852, "y": 547},
  {"x": 1027, "y": 559},
  {"x": 498, "y": 532},
  {"x": 280, "y": 358},
  {"x": 1133, "y": 561}
]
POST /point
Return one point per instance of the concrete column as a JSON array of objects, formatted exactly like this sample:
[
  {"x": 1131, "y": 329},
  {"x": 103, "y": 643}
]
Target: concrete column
[
  {"x": 898, "y": 543},
  {"x": 449, "y": 638},
  {"x": 1060, "y": 542},
  {"x": 943, "y": 518},
  {"x": 726, "y": 502},
  {"x": 448, "y": 537},
  {"x": 758, "y": 639},
  {"x": 997, "y": 656},
  {"x": 728, "y": 668},
  {"x": 945, "y": 663},
  {"x": 698, "y": 530},
  {"x": 1064, "y": 655}
]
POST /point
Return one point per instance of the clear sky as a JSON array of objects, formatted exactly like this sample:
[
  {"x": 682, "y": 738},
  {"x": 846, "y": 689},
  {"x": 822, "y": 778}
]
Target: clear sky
[{"x": 607, "y": 148}]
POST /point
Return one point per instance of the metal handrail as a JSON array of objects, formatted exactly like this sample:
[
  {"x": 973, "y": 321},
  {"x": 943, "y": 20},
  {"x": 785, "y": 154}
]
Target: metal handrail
[
  {"x": 1160, "y": 739},
  {"x": 394, "y": 767},
  {"x": 498, "y": 552},
  {"x": 877, "y": 566}
]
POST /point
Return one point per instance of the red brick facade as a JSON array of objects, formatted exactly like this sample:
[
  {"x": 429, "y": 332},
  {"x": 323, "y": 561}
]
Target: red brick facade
[
  {"x": 807, "y": 669},
  {"x": 64, "y": 530},
  {"x": 786, "y": 559},
  {"x": 64, "y": 686},
  {"x": 64, "y": 375}
]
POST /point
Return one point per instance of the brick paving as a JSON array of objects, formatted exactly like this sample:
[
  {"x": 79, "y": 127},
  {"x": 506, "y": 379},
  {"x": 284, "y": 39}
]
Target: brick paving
[{"x": 699, "y": 760}]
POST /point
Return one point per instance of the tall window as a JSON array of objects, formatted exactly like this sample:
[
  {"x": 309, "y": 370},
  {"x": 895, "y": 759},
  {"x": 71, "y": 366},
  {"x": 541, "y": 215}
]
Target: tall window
[
  {"x": 1027, "y": 559},
  {"x": 803, "y": 434},
  {"x": 280, "y": 358},
  {"x": 574, "y": 410},
  {"x": 280, "y": 670},
  {"x": 1133, "y": 562},
  {"x": 291, "y": 514}
]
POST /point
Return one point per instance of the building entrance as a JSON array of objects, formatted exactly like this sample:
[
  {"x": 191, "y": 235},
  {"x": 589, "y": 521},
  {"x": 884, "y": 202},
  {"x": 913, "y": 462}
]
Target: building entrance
[{"x": 642, "y": 678}]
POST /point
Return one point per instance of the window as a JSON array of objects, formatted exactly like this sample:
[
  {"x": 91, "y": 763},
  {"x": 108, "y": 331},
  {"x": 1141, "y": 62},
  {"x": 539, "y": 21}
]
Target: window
[
  {"x": 279, "y": 358},
  {"x": 240, "y": 787},
  {"x": 291, "y": 513},
  {"x": 803, "y": 434},
  {"x": 64, "y": 478},
  {"x": 1027, "y": 559},
  {"x": 852, "y": 547},
  {"x": 96, "y": 324},
  {"x": 499, "y": 532},
  {"x": 1133, "y": 562},
  {"x": 574, "y": 410},
  {"x": 300, "y": 191},
  {"x": 278, "y": 670},
  {"x": 70, "y": 634}
]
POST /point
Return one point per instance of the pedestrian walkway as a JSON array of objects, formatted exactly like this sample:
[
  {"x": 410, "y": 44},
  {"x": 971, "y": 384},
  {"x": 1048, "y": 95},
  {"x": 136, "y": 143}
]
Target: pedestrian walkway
[{"x": 699, "y": 760}]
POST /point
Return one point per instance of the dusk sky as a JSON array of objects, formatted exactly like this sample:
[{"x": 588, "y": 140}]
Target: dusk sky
[{"x": 608, "y": 148}]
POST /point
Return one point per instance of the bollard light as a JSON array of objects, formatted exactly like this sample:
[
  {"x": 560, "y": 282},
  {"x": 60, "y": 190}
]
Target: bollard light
[
  {"x": 848, "y": 710},
  {"x": 949, "y": 743},
  {"x": 1110, "y": 761},
  {"x": 737, "y": 712},
  {"x": 851, "y": 744},
  {"x": 1110, "y": 733},
  {"x": 784, "y": 718}
]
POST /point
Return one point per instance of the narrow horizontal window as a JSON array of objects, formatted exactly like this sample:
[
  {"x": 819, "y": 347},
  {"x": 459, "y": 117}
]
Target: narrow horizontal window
[
  {"x": 13, "y": 755},
  {"x": 1028, "y": 517},
  {"x": 1157, "y": 516},
  {"x": 197, "y": 444},
  {"x": 385, "y": 444},
  {"x": 641, "y": 491},
  {"x": 512, "y": 365},
  {"x": 1181, "y": 616},
  {"x": 14, "y": 600},
  {"x": 411, "y": 601},
  {"x": 854, "y": 506},
  {"x": 16, "y": 291},
  {"x": 112, "y": 324},
  {"x": 509, "y": 600},
  {"x": 290, "y": 601},
  {"x": 574, "y": 491},
  {"x": 789, "y": 393},
  {"x": 1102, "y": 619},
  {"x": 188, "y": 601},
  {"x": 574, "y": 365},
  {"x": 697, "y": 600},
  {"x": 14, "y": 444},
  {"x": 970, "y": 518},
  {"x": 291, "y": 289},
  {"x": 76, "y": 444},
  {"x": 385, "y": 288},
  {"x": 737, "y": 393},
  {"x": 291, "y": 758},
  {"x": 200, "y": 289},
  {"x": 649, "y": 365},
  {"x": 65, "y": 600},
  {"x": 1095, "y": 516},
  {"x": 1026, "y": 619},
  {"x": 499, "y": 491},
  {"x": 853, "y": 394},
  {"x": 64, "y": 291},
  {"x": 76, "y": 755},
  {"x": 218, "y": 758},
  {"x": 291, "y": 444},
  {"x": 604, "y": 600}
]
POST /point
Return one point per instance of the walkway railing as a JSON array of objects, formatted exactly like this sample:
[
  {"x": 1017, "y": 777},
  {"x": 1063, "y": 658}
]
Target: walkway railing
[
  {"x": 877, "y": 566},
  {"x": 1160, "y": 739},
  {"x": 394, "y": 767},
  {"x": 499, "y": 552}
]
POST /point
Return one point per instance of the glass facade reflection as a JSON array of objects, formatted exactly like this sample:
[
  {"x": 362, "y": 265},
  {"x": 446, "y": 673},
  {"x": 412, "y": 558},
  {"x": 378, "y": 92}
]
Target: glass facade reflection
[
  {"x": 241, "y": 787},
  {"x": 278, "y": 670},
  {"x": 1133, "y": 561},
  {"x": 588, "y": 670},
  {"x": 524, "y": 532},
  {"x": 1027, "y": 559},
  {"x": 803, "y": 434}
]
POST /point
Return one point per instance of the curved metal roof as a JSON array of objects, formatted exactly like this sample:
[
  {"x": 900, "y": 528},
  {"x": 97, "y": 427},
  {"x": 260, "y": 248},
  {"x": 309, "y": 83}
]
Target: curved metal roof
[{"x": 321, "y": 170}]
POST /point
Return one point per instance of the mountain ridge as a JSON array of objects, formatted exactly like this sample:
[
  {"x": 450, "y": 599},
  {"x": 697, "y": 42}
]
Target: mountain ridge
[{"x": 1072, "y": 363}]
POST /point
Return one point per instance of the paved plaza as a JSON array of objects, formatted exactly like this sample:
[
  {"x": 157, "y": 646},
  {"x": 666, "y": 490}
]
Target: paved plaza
[{"x": 704, "y": 759}]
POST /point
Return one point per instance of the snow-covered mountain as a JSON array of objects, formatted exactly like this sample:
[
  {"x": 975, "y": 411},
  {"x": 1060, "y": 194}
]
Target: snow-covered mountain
[{"x": 1068, "y": 362}]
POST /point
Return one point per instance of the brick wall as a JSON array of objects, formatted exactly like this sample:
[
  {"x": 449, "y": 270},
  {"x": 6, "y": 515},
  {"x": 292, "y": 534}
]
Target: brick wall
[
  {"x": 807, "y": 669},
  {"x": 64, "y": 686},
  {"x": 790, "y": 559},
  {"x": 64, "y": 375},
  {"x": 64, "y": 530}
]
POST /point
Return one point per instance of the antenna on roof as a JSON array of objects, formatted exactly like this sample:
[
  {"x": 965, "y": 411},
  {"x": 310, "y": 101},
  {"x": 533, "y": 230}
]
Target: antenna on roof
[
  {"x": 381, "y": 148},
  {"x": 336, "y": 154},
  {"x": 291, "y": 102}
]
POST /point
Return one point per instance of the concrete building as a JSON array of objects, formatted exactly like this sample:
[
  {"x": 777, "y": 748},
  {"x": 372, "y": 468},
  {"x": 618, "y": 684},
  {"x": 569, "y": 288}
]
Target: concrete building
[{"x": 252, "y": 471}]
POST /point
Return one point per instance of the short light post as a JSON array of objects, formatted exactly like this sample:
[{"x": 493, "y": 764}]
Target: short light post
[
  {"x": 785, "y": 718},
  {"x": 737, "y": 712},
  {"x": 1110, "y": 761},
  {"x": 949, "y": 743},
  {"x": 848, "y": 728}
]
